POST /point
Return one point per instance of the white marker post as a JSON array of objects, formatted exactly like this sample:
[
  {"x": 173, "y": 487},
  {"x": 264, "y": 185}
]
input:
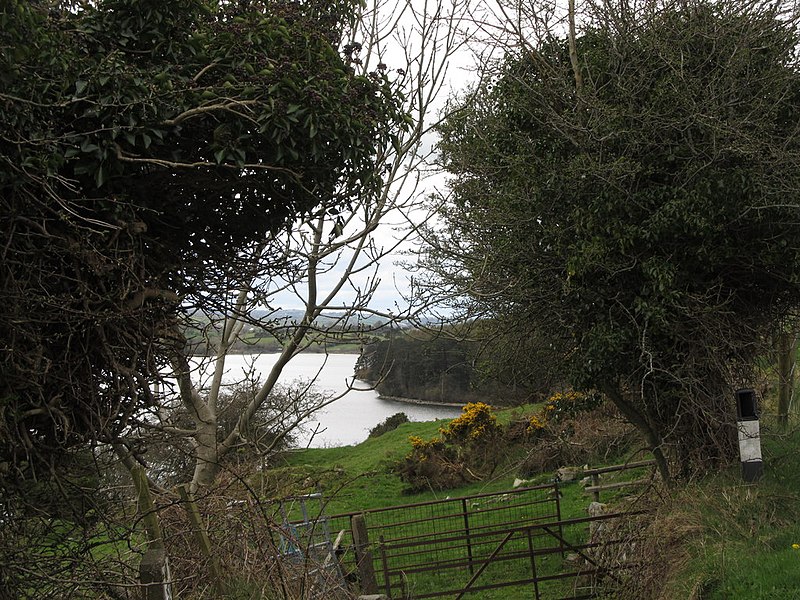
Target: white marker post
[{"x": 749, "y": 435}]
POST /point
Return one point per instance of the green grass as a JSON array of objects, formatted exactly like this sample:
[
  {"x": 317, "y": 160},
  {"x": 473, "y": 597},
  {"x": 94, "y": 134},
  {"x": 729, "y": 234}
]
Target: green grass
[
  {"x": 743, "y": 545},
  {"x": 355, "y": 478},
  {"x": 742, "y": 534}
]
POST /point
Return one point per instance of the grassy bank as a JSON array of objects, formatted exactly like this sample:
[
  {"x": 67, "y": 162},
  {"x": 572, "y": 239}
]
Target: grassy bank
[
  {"x": 713, "y": 539},
  {"x": 737, "y": 540},
  {"x": 359, "y": 477}
]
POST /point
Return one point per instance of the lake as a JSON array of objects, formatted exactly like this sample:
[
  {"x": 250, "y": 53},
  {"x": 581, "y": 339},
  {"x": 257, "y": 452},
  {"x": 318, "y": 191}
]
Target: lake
[{"x": 348, "y": 420}]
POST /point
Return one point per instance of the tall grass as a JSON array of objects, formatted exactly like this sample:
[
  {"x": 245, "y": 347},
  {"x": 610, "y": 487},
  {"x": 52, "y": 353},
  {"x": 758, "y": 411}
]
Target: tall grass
[{"x": 743, "y": 546}]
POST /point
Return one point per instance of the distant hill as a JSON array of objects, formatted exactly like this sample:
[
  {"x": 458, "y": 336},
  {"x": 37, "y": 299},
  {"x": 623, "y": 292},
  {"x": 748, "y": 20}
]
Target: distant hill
[{"x": 353, "y": 321}]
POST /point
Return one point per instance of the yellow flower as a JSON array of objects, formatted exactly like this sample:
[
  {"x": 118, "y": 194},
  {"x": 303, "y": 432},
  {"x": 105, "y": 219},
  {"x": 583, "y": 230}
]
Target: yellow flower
[
  {"x": 416, "y": 441},
  {"x": 534, "y": 424},
  {"x": 795, "y": 546}
]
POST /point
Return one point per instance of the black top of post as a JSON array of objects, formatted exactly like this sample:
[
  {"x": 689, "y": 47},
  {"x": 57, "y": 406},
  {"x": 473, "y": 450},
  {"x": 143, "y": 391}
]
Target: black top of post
[{"x": 746, "y": 405}]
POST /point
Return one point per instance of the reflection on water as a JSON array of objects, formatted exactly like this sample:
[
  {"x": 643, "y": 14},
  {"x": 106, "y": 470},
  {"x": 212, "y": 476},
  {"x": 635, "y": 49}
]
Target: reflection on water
[{"x": 349, "y": 419}]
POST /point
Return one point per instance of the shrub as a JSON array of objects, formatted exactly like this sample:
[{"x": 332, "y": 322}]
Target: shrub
[
  {"x": 559, "y": 407},
  {"x": 467, "y": 451},
  {"x": 431, "y": 465},
  {"x": 569, "y": 403},
  {"x": 589, "y": 436},
  {"x": 389, "y": 424},
  {"x": 475, "y": 425}
]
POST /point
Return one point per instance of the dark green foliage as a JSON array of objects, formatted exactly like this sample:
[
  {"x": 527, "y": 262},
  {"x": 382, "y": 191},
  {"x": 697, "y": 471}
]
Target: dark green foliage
[
  {"x": 565, "y": 405},
  {"x": 645, "y": 225},
  {"x": 389, "y": 424},
  {"x": 438, "y": 369},
  {"x": 432, "y": 369},
  {"x": 146, "y": 147}
]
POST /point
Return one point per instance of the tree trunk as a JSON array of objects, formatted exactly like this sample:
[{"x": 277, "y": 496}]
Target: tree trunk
[
  {"x": 206, "y": 455},
  {"x": 204, "y": 414},
  {"x": 638, "y": 420},
  {"x": 787, "y": 357},
  {"x": 573, "y": 50}
]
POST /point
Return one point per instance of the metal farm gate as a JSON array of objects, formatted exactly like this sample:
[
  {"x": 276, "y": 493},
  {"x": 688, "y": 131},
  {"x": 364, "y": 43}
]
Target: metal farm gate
[
  {"x": 483, "y": 546},
  {"x": 545, "y": 561}
]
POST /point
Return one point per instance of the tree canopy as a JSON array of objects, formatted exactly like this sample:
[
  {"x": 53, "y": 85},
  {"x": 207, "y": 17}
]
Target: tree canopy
[
  {"x": 145, "y": 147},
  {"x": 638, "y": 207}
]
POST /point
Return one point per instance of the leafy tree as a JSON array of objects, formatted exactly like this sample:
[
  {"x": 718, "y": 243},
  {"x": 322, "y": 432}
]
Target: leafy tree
[
  {"x": 200, "y": 158},
  {"x": 388, "y": 424},
  {"x": 146, "y": 147},
  {"x": 636, "y": 201},
  {"x": 433, "y": 369}
]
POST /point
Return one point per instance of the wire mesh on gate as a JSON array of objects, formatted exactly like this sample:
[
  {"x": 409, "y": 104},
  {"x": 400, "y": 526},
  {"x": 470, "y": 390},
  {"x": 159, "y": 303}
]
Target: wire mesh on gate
[
  {"x": 308, "y": 551},
  {"x": 431, "y": 540}
]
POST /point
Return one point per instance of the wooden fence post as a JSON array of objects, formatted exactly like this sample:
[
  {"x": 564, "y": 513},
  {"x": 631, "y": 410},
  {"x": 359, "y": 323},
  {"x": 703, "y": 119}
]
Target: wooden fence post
[
  {"x": 387, "y": 584},
  {"x": 147, "y": 510},
  {"x": 596, "y": 485},
  {"x": 154, "y": 572},
  {"x": 558, "y": 518},
  {"x": 366, "y": 570},
  {"x": 154, "y": 575}
]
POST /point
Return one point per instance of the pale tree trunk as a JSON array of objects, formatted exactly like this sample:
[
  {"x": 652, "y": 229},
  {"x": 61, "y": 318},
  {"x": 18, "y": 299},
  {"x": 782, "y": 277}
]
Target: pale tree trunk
[
  {"x": 204, "y": 438},
  {"x": 573, "y": 50},
  {"x": 203, "y": 407}
]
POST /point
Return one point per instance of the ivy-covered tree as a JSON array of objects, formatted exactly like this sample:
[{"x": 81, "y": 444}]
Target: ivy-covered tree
[
  {"x": 145, "y": 148},
  {"x": 630, "y": 192}
]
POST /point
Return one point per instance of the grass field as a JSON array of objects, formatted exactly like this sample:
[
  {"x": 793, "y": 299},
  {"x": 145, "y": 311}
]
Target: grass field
[
  {"x": 747, "y": 541},
  {"x": 358, "y": 478},
  {"x": 743, "y": 540}
]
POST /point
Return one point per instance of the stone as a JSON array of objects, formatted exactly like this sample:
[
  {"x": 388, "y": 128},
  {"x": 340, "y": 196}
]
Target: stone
[
  {"x": 568, "y": 473},
  {"x": 595, "y": 509}
]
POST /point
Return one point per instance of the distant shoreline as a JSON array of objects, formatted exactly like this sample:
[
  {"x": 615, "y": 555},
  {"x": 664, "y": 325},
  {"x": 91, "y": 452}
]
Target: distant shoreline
[
  {"x": 418, "y": 401},
  {"x": 238, "y": 351}
]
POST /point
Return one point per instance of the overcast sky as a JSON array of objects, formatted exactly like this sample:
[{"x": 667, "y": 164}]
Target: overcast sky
[{"x": 394, "y": 278}]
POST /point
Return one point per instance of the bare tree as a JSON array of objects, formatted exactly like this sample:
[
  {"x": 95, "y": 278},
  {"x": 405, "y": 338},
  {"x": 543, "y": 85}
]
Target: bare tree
[{"x": 328, "y": 262}]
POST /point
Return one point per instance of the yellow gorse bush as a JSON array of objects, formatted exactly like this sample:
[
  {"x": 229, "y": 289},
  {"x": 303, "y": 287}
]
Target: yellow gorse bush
[
  {"x": 556, "y": 406},
  {"x": 535, "y": 423},
  {"x": 467, "y": 448},
  {"x": 476, "y": 422},
  {"x": 422, "y": 449},
  {"x": 570, "y": 396},
  {"x": 416, "y": 441}
]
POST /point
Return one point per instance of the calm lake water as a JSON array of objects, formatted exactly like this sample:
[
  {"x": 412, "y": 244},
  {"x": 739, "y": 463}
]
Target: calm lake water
[{"x": 348, "y": 420}]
